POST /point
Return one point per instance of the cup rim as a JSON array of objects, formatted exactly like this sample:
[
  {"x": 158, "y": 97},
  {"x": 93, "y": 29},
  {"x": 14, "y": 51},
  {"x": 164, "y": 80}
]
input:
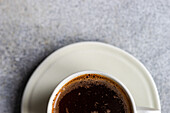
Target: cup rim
[{"x": 74, "y": 75}]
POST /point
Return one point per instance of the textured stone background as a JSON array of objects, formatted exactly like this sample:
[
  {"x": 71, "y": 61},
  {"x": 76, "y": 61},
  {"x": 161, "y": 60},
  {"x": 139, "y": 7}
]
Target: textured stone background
[{"x": 32, "y": 29}]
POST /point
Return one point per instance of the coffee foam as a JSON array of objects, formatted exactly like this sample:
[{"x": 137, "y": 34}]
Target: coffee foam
[{"x": 86, "y": 81}]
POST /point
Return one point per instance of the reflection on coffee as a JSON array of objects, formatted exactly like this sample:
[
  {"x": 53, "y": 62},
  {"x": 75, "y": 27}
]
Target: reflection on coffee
[{"x": 91, "y": 93}]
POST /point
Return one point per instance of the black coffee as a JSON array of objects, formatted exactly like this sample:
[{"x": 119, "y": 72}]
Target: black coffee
[{"x": 91, "y": 93}]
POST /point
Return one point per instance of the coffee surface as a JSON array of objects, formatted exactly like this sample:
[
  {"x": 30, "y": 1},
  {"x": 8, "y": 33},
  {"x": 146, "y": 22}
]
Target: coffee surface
[{"x": 91, "y": 93}]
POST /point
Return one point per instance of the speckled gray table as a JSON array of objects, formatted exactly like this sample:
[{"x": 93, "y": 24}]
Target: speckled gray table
[{"x": 32, "y": 29}]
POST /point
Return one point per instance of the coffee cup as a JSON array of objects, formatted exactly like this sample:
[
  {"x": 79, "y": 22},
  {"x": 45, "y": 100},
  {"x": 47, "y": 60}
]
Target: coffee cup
[{"x": 93, "y": 92}]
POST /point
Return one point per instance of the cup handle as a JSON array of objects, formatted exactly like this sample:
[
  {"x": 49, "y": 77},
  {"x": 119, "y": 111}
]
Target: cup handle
[{"x": 147, "y": 110}]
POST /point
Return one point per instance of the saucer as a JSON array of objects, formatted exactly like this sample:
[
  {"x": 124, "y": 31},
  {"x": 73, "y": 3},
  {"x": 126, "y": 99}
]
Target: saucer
[{"x": 83, "y": 56}]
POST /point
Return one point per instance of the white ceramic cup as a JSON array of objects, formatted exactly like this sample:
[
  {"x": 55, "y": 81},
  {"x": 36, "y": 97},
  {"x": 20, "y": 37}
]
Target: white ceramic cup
[{"x": 69, "y": 78}]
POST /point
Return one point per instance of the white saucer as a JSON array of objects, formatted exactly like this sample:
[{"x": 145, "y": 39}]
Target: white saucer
[{"x": 89, "y": 56}]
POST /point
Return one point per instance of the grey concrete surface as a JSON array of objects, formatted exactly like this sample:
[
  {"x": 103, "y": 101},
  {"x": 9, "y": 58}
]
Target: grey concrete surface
[{"x": 32, "y": 29}]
